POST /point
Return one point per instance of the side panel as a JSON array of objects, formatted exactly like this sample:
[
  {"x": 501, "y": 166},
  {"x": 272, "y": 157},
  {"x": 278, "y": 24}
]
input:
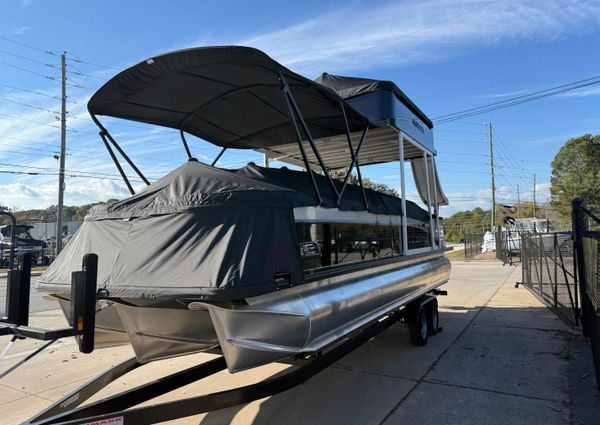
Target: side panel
[{"x": 383, "y": 108}]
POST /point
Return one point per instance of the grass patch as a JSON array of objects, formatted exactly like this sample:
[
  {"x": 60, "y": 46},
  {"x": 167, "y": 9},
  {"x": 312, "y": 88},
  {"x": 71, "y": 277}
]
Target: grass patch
[
  {"x": 565, "y": 352},
  {"x": 456, "y": 255},
  {"x": 33, "y": 269}
]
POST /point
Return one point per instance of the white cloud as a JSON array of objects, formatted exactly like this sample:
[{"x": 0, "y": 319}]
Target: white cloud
[
  {"x": 583, "y": 92},
  {"x": 78, "y": 191},
  {"x": 20, "y": 30},
  {"x": 482, "y": 198},
  {"x": 405, "y": 33}
]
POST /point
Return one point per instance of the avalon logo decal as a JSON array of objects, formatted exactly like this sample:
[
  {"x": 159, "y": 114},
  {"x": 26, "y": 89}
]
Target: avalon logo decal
[{"x": 418, "y": 125}]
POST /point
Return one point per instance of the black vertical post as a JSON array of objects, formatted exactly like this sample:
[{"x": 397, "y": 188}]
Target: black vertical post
[
  {"x": 579, "y": 222},
  {"x": 18, "y": 286},
  {"x": 555, "y": 270},
  {"x": 541, "y": 246},
  {"x": 83, "y": 303}
]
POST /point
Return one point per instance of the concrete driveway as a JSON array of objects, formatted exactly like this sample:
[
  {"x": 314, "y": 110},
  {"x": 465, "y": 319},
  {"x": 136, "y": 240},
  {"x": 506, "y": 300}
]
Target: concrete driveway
[{"x": 502, "y": 358}]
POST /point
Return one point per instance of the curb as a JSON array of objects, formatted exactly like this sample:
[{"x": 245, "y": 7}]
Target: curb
[{"x": 34, "y": 274}]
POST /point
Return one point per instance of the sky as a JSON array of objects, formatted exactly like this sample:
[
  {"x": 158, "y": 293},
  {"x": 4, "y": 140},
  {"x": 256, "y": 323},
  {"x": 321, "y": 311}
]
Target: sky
[{"x": 447, "y": 56}]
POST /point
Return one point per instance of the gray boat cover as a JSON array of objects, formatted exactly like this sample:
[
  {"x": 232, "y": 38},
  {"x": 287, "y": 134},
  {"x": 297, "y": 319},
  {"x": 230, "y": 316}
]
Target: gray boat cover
[
  {"x": 230, "y": 96},
  {"x": 349, "y": 87},
  {"x": 298, "y": 181},
  {"x": 202, "y": 232}
]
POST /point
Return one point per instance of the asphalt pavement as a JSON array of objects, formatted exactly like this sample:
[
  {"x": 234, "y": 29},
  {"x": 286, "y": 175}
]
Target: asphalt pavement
[{"x": 37, "y": 303}]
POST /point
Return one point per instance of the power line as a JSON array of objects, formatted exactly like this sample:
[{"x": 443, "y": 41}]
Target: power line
[
  {"x": 29, "y": 106},
  {"x": 27, "y": 70},
  {"x": 31, "y": 91},
  {"x": 20, "y": 43},
  {"x": 91, "y": 173},
  {"x": 6, "y": 52},
  {"x": 536, "y": 95},
  {"x": 36, "y": 122},
  {"x": 92, "y": 63}
]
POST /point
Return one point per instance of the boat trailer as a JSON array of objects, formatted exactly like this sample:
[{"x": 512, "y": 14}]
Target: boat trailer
[{"x": 420, "y": 316}]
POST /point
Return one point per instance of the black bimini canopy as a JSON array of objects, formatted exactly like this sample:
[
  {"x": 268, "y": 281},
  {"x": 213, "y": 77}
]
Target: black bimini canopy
[
  {"x": 230, "y": 96},
  {"x": 350, "y": 87}
]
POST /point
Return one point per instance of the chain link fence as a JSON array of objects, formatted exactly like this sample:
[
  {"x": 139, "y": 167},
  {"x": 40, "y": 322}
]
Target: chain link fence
[
  {"x": 473, "y": 242},
  {"x": 548, "y": 271},
  {"x": 587, "y": 254},
  {"x": 508, "y": 246}
]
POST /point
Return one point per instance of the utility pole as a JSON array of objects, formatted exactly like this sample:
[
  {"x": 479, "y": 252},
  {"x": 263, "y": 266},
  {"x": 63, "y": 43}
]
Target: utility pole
[
  {"x": 63, "y": 144},
  {"x": 518, "y": 202},
  {"x": 493, "y": 186},
  {"x": 534, "y": 204}
]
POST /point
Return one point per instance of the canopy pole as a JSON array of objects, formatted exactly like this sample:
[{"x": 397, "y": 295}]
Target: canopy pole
[
  {"x": 292, "y": 102},
  {"x": 436, "y": 202},
  {"x": 123, "y": 154},
  {"x": 185, "y": 144},
  {"x": 313, "y": 182},
  {"x": 116, "y": 161},
  {"x": 431, "y": 237},
  {"x": 354, "y": 157},
  {"x": 355, "y": 160},
  {"x": 404, "y": 224},
  {"x": 304, "y": 157},
  {"x": 218, "y": 156}
]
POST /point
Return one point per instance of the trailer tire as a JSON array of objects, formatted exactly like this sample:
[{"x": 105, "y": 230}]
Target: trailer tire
[
  {"x": 433, "y": 317},
  {"x": 418, "y": 328}
]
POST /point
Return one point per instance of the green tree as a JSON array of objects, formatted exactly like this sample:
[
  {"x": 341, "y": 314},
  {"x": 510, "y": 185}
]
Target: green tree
[
  {"x": 474, "y": 221},
  {"x": 576, "y": 173}
]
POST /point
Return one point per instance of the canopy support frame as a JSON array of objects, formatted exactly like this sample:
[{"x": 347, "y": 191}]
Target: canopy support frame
[
  {"x": 221, "y": 152},
  {"x": 309, "y": 170},
  {"x": 185, "y": 144},
  {"x": 436, "y": 208},
  {"x": 431, "y": 225},
  {"x": 295, "y": 111},
  {"x": 355, "y": 161},
  {"x": 404, "y": 224},
  {"x": 104, "y": 131},
  {"x": 354, "y": 157},
  {"x": 116, "y": 161},
  {"x": 313, "y": 182}
]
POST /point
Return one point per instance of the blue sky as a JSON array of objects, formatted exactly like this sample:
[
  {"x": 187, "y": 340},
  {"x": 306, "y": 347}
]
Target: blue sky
[{"x": 446, "y": 55}]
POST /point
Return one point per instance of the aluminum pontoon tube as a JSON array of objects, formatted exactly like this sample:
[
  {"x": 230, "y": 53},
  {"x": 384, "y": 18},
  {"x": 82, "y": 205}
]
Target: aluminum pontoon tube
[{"x": 312, "y": 316}]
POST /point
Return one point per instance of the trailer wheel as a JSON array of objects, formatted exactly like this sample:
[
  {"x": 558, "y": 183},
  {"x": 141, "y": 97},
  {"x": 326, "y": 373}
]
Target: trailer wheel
[
  {"x": 433, "y": 317},
  {"x": 418, "y": 328}
]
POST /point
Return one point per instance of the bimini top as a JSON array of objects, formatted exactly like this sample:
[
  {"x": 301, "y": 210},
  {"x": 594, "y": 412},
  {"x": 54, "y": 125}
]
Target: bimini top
[
  {"x": 238, "y": 97},
  {"x": 230, "y": 96}
]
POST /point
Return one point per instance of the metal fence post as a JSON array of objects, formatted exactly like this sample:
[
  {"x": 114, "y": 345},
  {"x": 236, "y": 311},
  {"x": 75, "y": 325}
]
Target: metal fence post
[
  {"x": 579, "y": 221},
  {"x": 555, "y": 239}
]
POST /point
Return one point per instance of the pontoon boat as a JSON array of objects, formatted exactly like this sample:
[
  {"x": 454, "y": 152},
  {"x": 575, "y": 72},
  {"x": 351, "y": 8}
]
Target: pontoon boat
[{"x": 261, "y": 263}]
